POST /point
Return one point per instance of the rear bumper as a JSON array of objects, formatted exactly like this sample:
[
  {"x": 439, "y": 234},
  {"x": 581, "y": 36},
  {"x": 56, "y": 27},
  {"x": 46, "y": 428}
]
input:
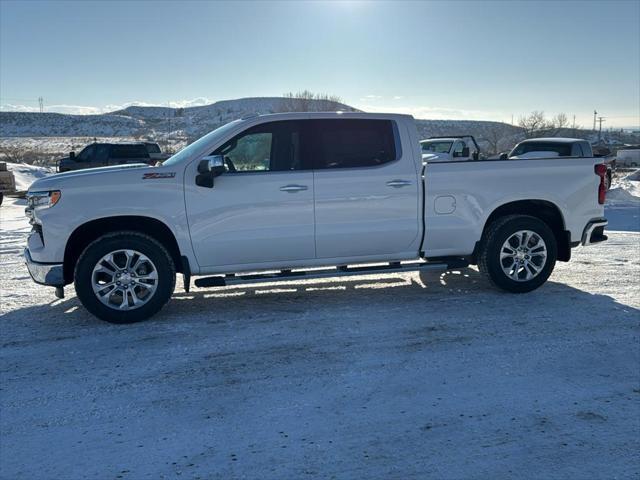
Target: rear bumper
[
  {"x": 594, "y": 232},
  {"x": 44, "y": 273}
]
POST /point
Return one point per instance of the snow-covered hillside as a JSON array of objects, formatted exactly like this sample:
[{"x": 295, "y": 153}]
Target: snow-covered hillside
[
  {"x": 491, "y": 136},
  {"x": 189, "y": 122},
  {"x": 28, "y": 124}
]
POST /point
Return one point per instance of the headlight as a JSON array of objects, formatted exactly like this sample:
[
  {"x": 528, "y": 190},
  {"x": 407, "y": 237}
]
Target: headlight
[{"x": 38, "y": 200}]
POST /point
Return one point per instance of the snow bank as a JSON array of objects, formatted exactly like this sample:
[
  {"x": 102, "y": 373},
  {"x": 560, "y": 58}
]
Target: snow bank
[
  {"x": 625, "y": 191},
  {"x": 27, "y": 174}
]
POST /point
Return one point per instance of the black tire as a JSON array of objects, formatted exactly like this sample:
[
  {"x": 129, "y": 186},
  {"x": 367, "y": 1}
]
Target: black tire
[
  {"x": 497, "y": 234},
  {"x": 117, "y": 241},
  {"x": 1, "y": 197}
]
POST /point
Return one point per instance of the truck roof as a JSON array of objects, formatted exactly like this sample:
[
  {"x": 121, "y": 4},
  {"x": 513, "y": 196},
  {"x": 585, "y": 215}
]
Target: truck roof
[
  {"x": 320, "y": 115},
  {"x": 553, "y": 140}
]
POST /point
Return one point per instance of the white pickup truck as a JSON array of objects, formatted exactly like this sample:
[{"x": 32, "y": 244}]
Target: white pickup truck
[
  {"x": 304, "y": 195},
  {"x": 460, "y": 148}
]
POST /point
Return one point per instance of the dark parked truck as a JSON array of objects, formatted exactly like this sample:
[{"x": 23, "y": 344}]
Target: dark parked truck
[{"x": 106, "y": 154}]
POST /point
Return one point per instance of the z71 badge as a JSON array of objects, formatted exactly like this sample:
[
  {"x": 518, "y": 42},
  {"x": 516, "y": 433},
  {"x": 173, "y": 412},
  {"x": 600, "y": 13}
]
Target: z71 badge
[{"x": 156, "y": 175}]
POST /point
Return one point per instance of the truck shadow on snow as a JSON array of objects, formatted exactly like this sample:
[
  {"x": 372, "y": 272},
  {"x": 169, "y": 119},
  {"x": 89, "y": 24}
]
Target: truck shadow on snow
[{"x": 455, "y": 293}]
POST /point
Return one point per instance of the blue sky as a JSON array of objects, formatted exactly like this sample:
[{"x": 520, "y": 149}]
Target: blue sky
[{"x": 456, "y": 59}]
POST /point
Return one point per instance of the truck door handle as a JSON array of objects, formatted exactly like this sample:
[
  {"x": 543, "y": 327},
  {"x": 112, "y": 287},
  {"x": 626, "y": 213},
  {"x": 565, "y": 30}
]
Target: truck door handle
[
  {"x": 293, "y": 188},
  {"x": 398, "y": 183}
]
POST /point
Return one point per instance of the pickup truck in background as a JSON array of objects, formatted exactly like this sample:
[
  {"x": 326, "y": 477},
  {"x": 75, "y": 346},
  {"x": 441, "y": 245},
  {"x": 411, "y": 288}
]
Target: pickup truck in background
[
  {"x": 304, "y": 195},
  {"x": 105, "y": 154},
  {"x": 460, "y": 148},
  {"x": 557, "y": 147},
  {"x": 550, "y": 147}
]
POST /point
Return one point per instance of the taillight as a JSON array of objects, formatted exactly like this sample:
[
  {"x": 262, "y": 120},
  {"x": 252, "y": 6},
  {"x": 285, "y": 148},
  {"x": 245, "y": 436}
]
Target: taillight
[{"x": 601, "y": 171}]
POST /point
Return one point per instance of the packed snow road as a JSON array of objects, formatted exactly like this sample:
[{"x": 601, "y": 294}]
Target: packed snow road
[{"x": 391, "y": 377}]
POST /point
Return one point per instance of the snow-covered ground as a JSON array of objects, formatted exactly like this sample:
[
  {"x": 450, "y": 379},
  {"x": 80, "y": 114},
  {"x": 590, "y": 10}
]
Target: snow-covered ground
[{"x": 390, "y": 377}]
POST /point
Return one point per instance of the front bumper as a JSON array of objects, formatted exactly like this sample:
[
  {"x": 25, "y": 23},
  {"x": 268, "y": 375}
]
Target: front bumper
[
  {"x": 594, "y": 232},
  {"x": 44, "y": 273}
]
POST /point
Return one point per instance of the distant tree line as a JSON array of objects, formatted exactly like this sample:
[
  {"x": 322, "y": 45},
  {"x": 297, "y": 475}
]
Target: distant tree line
[
  {"x": 307, "y": 101},
  {"x": 536, "y": 124}
]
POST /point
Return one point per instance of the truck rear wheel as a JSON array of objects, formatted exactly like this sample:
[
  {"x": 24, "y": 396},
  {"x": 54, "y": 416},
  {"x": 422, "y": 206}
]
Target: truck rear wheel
[
  {"x": 124, "y": 277},
  {"x": 518, "y": 253}
]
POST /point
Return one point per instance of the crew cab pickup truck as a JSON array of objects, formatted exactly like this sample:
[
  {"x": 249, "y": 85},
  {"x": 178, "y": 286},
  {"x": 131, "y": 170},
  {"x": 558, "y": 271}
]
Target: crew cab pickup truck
[
  {"x": 105, "y": 154},
  {"x": 550, "y": 147},
  {"x": 557, "y": 147},
  {"x": 304, "y": 195}
]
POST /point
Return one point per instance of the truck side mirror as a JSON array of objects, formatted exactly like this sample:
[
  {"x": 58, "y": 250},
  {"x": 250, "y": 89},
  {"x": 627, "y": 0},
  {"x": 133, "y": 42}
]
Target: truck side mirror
[
  {"x": 504, "y": 156},
  {"x": 210, "y": 167},
  {"x": 72, "y": 155}
]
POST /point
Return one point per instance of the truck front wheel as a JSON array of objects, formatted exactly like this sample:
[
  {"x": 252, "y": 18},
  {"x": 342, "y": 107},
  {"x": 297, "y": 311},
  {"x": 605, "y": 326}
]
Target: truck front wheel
[
  {"x": 124, "y": 277},
  {"x": 518, "y": 253}
]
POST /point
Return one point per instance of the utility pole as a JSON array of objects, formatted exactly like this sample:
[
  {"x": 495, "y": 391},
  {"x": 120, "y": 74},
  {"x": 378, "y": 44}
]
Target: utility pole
[
  {"x": 594, "y": 120},
  {"x": 600, "y": 120},
  {"x": 574, "y": 122},
  {"x": 41, "y": 103},
  {"x": 169, "y": 115},
  {"x": 512, "y": 119}
]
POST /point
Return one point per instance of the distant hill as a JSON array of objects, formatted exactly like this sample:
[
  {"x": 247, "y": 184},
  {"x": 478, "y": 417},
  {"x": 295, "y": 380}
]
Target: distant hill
[
  {"x": 154, "y": 121},
  {"x": 491, "y": 136},
  {"x": 29, "y": 124},
  {"x": 187, "y": 124}
]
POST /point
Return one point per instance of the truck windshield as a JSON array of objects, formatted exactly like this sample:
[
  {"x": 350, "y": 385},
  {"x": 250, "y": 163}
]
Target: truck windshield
[
  {"x": 436, "y": 147},
  {"x": 210, "y": 137}
]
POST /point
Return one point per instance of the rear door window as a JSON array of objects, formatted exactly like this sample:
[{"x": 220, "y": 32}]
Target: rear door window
[
  {"x": 102, "y": 153},
  {"x": 353, "y": 143},
  {"x": 576, "y": 150},
  {"x": 586, "y": 150},
  {"x": 129, "y": 151},
  {"x": 459, "y": 148}
]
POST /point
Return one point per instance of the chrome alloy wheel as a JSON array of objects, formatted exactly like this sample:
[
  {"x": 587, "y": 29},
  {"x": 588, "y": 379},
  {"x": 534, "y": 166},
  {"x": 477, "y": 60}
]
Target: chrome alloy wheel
[
  {"x": 523, "y": 255},
  {"x": 124, "y": 279}
]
